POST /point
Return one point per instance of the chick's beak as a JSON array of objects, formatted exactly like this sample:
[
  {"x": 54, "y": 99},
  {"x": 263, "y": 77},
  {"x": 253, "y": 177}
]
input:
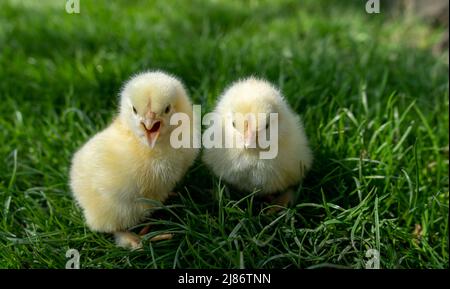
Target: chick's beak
[
  {"x": 249, "y": 135},
  {"x": 152, "y": 127}
]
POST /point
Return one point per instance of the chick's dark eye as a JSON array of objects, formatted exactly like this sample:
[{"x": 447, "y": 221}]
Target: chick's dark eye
[
  {"x": 234, "y": 124},
  {"x": 167, "y": 109},
  {"x": 134, "y": 110}
]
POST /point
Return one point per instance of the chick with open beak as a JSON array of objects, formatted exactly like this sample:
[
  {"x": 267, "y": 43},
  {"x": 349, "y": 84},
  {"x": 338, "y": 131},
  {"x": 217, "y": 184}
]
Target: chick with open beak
[
  {"x": 148, "y": 109},
  {"x": 116, "y": 172},
  {"x": 152, "y": 126}
]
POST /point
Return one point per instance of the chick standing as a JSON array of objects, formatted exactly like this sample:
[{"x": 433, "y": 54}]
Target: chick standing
[
  {"x": 243, "y": 167},
  {"x": 132, "y": 158}
]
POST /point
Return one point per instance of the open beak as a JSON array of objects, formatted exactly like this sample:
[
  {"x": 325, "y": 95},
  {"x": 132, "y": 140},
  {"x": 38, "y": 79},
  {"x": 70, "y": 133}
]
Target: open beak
[{"x": 152, "y": 128}]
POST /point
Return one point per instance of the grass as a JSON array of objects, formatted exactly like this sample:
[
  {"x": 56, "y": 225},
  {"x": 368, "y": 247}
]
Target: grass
[{"x": 373, "y": 98}]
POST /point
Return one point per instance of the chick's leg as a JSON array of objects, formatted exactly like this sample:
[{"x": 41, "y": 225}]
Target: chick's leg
[
  {"x": 144, "y": 230},
  {"x": 284, "y": 200},
  {"x": 128, "y": 240}
]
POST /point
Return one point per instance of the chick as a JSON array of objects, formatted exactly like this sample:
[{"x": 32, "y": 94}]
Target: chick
[
  {"x": 132, "y": 158},
  {"x": 243, "y": 167}
]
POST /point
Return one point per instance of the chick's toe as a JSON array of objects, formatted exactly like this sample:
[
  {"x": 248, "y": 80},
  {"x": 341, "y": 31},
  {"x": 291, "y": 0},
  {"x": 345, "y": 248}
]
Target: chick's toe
[{"x": 128, "y": 240}]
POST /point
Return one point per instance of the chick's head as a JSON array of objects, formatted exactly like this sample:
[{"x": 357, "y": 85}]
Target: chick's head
[
  {"x": 247, "y": 107},
  {"x": 147, "y": 103}
]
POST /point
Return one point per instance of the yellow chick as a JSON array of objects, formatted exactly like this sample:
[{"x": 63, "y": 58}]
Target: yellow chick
[
  {"x": 243, "y": 167},
  {"x": 132, "y": 158}
]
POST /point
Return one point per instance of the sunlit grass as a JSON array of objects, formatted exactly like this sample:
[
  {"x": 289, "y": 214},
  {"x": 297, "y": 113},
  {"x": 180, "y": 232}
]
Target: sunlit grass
[{"x": 373, "y": 98}]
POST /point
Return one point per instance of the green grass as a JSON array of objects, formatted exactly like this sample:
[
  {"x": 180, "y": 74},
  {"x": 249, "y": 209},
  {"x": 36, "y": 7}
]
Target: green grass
[{"x": 373, "y": 98}]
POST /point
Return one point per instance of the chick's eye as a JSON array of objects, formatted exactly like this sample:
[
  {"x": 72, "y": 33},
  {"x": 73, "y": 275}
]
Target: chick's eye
[
  {"x": 167, "y": 109},
  {"x": 234, "y": 124},
  {"x": 134, "y": 110}
]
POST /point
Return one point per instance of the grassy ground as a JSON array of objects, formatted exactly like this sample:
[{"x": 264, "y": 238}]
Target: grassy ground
[{"x": 373, "y": 98}]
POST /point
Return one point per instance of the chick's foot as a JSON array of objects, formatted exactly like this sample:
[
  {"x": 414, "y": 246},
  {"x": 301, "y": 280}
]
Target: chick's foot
[
  {"x": 172, "y": 195},
  {"x": 284, "y": 200},
  {"x": 161, "y": 237},
  {"x": 144, "y": 230},
  {"x": 128, "y": 240}
]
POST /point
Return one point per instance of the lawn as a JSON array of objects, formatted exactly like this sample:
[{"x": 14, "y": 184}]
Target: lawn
[{"x": 373, "y": 97}]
